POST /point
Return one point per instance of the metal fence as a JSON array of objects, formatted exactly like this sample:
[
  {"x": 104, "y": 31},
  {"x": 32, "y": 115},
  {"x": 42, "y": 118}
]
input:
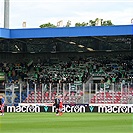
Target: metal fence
[{"x": 72, "y": 93}]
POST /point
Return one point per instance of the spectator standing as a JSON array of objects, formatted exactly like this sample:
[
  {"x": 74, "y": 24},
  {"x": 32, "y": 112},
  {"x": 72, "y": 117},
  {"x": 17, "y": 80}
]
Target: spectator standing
[{"x": 2, "y": 102}]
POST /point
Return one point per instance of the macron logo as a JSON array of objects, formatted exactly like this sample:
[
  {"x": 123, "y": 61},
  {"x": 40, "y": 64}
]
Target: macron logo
[
  {"x": 91, "y": 108},
  {"x": 46, "y": 108}
]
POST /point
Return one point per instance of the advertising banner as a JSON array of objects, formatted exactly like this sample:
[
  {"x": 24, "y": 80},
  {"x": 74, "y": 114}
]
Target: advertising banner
[
  {"x": 77, "y": 108},
  {"x": 23, "y": 109},
  {"x": 114, "y": 108}
]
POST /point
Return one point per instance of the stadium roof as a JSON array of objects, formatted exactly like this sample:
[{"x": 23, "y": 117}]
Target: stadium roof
[
  {"x": 67, "y": 32},
  {"x": 67, "y": 39}
]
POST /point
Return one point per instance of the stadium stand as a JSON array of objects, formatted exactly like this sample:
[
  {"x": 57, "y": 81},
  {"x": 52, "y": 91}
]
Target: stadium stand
[
  {"x": 75, "y": 73},
  {"x": 87, "y": 64}
]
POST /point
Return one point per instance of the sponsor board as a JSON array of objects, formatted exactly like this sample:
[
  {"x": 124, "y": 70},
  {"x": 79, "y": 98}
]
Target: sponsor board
[
  {"x": 73, "y": 108},
  {"x": 77, "y": 108},
  {"x": 114, "y": 108},
  {"x": 22, "y": 109},
  {"x": 68, "y": 108}
]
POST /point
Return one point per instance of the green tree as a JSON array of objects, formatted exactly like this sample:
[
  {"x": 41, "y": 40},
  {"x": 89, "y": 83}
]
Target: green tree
[
  {"x": 81, "y": 24},
  {"x": 96, "y": 22},
  {"x": 47, "y": 25},
  {"x": 107, "y": 23},
  {"x": 68, "y": 23},
  {"x": 99, "y": 22},
  {"x": 92, "y": 22}
]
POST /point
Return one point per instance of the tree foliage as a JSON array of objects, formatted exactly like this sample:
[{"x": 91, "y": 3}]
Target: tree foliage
[
  {"x": 96, "y": 22},
  {"x": 47, "y": 25},
  {"x": 68, "y": 23},
  {"x": 107, "y": 23},
  {"x": 100, "y": 22},
  {"x": 81, "y": 24}
]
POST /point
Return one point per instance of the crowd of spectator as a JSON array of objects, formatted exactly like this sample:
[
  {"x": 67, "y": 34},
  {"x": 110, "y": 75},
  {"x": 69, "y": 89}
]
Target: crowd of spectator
[{"x": 113, "y": 69}]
